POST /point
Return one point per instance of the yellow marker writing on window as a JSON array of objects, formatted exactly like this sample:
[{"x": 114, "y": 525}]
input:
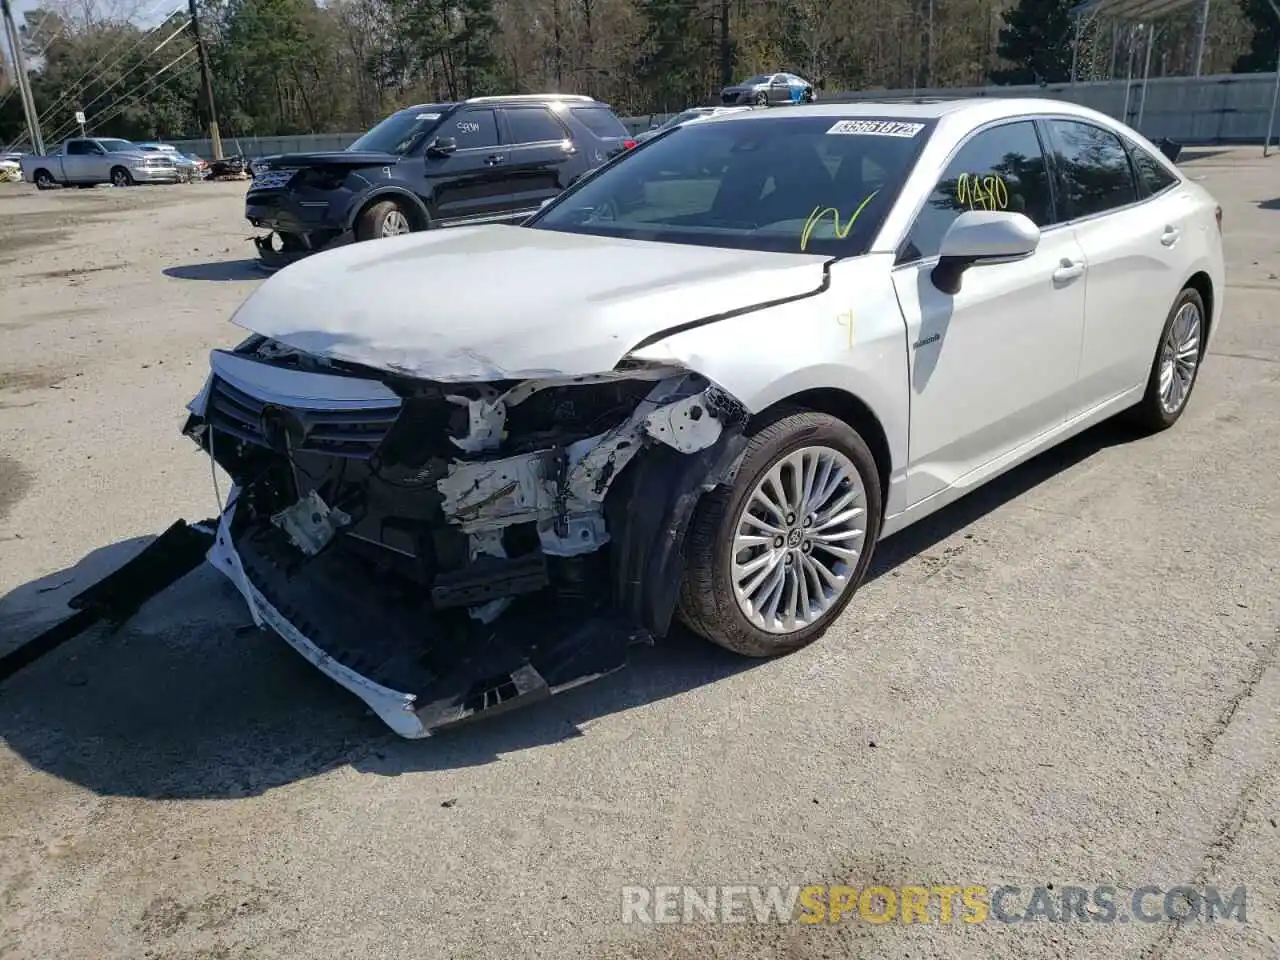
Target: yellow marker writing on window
[
  {"x": 985, "y": 193},
  {"x": 820, "y": 212},
  {"x": 846, "y": 320}
]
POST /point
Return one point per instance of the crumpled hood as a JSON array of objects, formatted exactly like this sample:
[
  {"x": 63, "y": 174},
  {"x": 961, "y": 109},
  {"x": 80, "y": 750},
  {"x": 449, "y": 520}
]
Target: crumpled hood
[{"x": 505, "y": 302}]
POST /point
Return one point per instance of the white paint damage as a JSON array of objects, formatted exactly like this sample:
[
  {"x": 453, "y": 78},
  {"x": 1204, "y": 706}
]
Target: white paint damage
[{"x": 562, "y": 491}]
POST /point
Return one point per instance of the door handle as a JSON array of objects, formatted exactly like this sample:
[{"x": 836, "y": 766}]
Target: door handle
[
  {"x": 1067, "y": 270},
  {"x": 1170, "y": 236},
  {"x": 494, "y": 158}
]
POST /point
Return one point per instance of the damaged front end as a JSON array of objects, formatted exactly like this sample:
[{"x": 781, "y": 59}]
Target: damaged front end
[{"x": 444, "y": 550}]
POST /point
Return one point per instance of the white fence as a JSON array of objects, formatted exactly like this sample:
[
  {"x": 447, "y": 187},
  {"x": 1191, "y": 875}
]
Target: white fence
[{"x": 1233, "y": 108}]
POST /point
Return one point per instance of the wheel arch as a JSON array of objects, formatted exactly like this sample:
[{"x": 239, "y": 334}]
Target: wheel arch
[
  {"x": 1202, "y": 283},
  {"x": 416, "y": 209},
  {"x": 844, "y": 406}
]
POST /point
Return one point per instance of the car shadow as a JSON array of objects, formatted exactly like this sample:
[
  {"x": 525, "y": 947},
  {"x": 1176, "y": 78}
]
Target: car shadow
[
  {"x": 217, "y": 271},
  {"x": 188, "y": 700}
]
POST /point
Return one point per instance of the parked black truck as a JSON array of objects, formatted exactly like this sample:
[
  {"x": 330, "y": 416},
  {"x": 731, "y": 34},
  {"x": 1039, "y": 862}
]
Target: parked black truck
[{"x": 483, "y": 160}]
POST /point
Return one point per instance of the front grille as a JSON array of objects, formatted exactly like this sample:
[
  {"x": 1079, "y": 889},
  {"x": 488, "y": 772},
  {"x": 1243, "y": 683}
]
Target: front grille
[{"x": 354, "y": 434}]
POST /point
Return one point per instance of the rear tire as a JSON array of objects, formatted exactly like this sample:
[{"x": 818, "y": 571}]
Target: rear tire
[
  {"x": 386, "y": 218},
  {"x": 1175, "y": 367},
  {"x": 729, "y": 547},
  {"x": 44, "y": 180},
  {"x": 121, "y": 177}
]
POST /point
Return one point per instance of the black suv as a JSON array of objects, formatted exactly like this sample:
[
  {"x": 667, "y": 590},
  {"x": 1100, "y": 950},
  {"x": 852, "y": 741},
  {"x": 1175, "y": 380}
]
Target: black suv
[{"x": 483, "y": 160}]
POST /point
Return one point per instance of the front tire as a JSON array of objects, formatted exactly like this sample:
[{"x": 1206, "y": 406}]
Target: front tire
[
  {"x": 762, "y": 99},
  {"x": 386, "y": 218},
  {"x": 1176, "y": 365},
  {"x": 121, "y": 177},
  {"x": 774, "y": 559}
]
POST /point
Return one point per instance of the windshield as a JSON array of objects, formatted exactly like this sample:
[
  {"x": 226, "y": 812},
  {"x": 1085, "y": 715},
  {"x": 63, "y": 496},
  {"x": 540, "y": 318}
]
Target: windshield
[
  {"x": 399, "y": 132},
  {"x": 117, "y": 146},
  {"x": 790, "y": 185}
]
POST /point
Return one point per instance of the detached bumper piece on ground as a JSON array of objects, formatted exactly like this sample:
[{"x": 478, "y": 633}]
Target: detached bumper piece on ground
[
  {"x": 276, "y": 250},
  {"x": 116, "y": 597},
  {"x": 446, "y": 551}
]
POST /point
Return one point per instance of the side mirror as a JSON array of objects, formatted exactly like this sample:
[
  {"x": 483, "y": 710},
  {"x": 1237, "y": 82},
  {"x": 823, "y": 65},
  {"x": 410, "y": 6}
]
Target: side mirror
[
  {"x": 980, "y": 236},
  {"x": 442, "y": 147}
]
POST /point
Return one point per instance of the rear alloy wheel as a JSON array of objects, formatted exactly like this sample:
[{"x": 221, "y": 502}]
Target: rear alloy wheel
[
  {"x": 385, "y": 218},
  {"x": 44, "y": 180},
  {"x": 773, "y": 560},
  {"x": 120, "y": 177},
  {"x": 1176, "y": 364}
]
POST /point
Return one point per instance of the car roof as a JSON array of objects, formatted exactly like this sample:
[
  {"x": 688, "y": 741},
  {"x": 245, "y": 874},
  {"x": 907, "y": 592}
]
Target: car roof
[{"x": 965, "y": 110}]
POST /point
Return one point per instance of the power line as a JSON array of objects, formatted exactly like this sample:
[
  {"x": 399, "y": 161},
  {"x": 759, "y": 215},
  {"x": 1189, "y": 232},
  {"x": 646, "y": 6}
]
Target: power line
[
  {"x": 107, "y": 112},
  {"x": 74, "y": 88},
  {"x": 118, "y": 108}
]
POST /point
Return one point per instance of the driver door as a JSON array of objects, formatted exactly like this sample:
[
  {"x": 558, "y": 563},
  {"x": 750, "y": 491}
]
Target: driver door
[
  {"x": 994, "y": 365},
  {"x": 471, "y": 184}
]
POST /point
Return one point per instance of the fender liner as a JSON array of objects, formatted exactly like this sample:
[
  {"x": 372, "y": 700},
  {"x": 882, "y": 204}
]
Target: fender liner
[
  {"x": 384, "y": 193},
  {"x": 650, "y": 507}
]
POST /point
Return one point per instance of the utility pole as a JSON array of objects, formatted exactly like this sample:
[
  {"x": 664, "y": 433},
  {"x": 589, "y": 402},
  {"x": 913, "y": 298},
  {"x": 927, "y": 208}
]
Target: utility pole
[
  {"x": 24, "y": 88},
  {"x": 214, "y": 138},
  {"x": 1202, "y": 34}
]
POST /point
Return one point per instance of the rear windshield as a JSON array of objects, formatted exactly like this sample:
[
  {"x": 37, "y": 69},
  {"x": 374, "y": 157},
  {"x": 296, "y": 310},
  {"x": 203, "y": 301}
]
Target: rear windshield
[
  {"x": 786, "y": 184},
  {"x": 399, "y": 132},
  {"x": 600, "y": 121}
]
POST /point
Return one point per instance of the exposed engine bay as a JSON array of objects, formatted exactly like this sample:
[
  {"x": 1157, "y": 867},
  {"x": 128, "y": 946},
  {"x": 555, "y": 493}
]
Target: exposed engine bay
[{"x": 446, "y": 549}]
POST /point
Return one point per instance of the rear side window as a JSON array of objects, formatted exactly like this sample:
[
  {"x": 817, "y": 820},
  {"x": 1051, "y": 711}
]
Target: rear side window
[
  {"x": 1001, "y": 168},
  {"x": 1152, "y": 174},
  {"x": 532, "y": 125},
  {"x": 1094, "y": 175},
  {"x": 473, "y": 128},
  {"x": 600, "y": 121}
]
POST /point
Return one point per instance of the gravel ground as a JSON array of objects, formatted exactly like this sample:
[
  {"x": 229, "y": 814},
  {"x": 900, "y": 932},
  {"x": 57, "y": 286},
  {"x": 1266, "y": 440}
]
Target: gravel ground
[{"x": 1070, "y": 677}]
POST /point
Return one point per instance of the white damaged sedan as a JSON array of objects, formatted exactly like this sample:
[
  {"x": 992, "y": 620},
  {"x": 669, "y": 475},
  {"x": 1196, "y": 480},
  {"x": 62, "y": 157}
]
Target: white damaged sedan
[{"x": 473, "y": 466}]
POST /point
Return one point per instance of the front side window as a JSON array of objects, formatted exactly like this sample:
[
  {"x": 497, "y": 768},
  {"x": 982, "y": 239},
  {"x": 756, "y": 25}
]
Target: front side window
[
  {"x": 1152, "y": 174},
  {"x": 816, "y": 185},
  {"x": 1002, "y": 168},
  {"x": 533, "y": 125},
  {"x": 1093, "y": 170}
]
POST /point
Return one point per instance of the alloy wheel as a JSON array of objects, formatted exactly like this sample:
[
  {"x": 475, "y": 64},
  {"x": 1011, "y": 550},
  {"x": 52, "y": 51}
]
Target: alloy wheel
[
  {"x": 394, "y": 224},
  {"x": 1180, "y": 358},
  {"x": 798, "y": 539}
]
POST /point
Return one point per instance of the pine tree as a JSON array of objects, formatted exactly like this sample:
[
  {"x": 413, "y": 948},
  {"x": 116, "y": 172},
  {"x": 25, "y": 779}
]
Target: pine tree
[
  {"x": 1036, "y": 40},
  {"x": 1261, "y": 57}
]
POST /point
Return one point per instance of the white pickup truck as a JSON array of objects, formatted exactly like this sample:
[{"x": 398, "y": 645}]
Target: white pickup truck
[{"x": 85, "y": 161}]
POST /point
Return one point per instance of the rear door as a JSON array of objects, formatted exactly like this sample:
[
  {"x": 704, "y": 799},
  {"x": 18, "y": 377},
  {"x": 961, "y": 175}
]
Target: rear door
[
  {"x": 1135, "y": 246},
  {"x": 78, "y": 161},
  {"x": 539, "y": 150},
  {"x": 469, "y": 185}
]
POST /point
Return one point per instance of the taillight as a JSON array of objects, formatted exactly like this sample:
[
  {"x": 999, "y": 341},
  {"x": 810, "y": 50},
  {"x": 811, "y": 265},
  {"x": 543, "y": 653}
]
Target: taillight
[
  {"x": 629, "y": 144},
  {"x": 1217, "y": 215}
]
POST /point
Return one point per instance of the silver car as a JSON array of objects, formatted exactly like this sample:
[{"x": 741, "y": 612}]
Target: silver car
[{"x": 770, "y": 89}]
